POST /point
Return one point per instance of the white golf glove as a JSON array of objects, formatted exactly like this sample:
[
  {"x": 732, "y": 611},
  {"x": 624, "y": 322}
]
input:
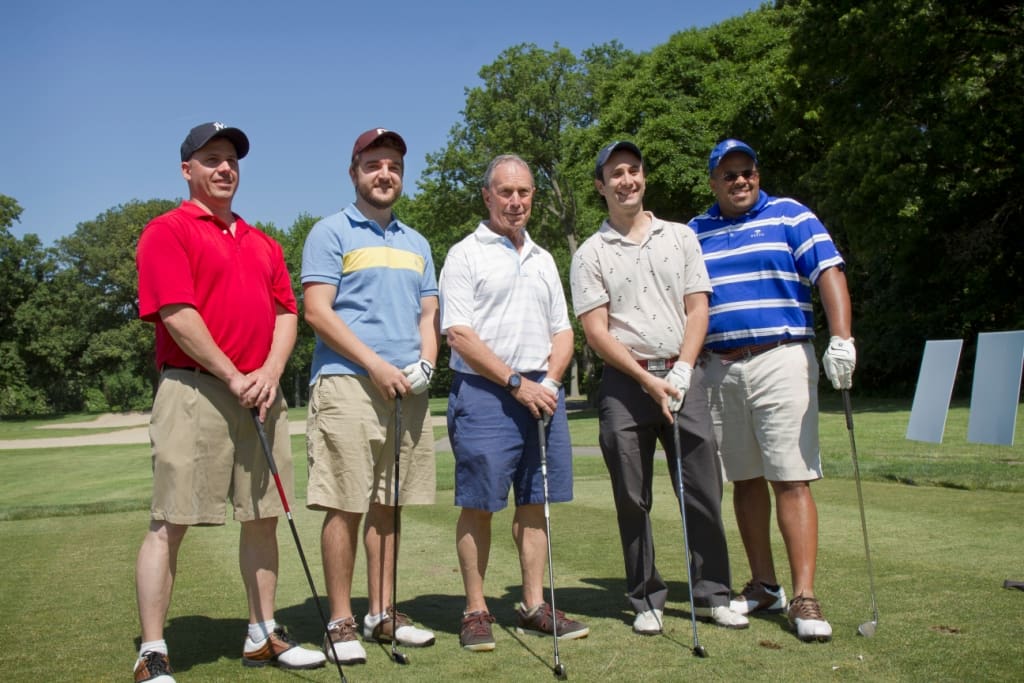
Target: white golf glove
[
  {"x": 552, "y": 386},
  {"x": 839, "y": 360},
  {"x": 679, "y": 378},
  {"x": 419, "y": 374}
]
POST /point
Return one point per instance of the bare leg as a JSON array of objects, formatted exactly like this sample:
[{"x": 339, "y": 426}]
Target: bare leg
[
  {"x": 798, "y": 521},
  {"x": 257, "y": 559},
  {"x": 379, "y": 539},
  {"x": 338, "y": 545},
  {"x": 155, "y": 568},
  {"x": 473, "y": 542},
  {"x": 530, "y": 534},
  {"x": 752, "y": 503}
]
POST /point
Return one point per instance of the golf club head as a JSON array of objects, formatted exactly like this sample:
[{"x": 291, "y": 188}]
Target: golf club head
[
  {"x": 399, "y": 657},
  {"x": 560, "y": 672},
  {"x": 867, "y": 629},
  {"x": 699, "y": 651}
]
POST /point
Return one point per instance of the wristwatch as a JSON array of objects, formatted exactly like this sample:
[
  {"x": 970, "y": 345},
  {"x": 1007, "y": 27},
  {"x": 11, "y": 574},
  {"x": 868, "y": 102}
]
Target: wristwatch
[{"x": 514, "y": 380}]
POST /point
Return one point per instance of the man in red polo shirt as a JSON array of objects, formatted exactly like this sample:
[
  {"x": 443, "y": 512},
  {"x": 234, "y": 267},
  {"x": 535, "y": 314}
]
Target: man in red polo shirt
[{"x": 219, "y": 294}]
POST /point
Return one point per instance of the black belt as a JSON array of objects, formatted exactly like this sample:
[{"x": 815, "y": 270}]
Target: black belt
[
  {"x": 747, "y": 352},
  {"x": 657, "y": 364},
  {"x": 187, "y": 368}
]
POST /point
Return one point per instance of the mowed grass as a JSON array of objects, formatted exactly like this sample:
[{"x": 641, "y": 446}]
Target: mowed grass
[{"x": 941, "y": 551}]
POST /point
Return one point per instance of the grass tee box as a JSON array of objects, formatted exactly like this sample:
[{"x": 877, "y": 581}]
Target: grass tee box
[{"x": 941, "y": 554}]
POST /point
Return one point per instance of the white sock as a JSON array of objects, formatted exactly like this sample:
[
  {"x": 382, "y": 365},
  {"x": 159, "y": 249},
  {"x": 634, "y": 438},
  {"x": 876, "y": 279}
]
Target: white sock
[
  {"x": 372, "y": 620},
  {"x": 336, "y": 622},
  {"x": 261, "y": 631},
  {"x": 151, "y": 646}
]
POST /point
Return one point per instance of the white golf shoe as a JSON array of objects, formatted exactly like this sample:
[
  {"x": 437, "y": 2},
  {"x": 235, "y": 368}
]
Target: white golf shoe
[
  {"x": 648, "y": 623},
  {"x": 721, "y": 615}
]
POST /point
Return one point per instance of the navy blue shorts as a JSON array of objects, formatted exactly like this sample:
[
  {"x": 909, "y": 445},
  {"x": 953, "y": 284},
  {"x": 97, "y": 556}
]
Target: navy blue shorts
[{"x": 496, "y": 446}]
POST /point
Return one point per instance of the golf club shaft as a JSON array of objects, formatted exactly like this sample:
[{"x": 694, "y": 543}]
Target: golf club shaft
[
  {"x": 295, "y": 534},
  {"x": 547, "y": 529},
  {"x": 678, "y": 453},
  {"x": 395, "y": 654},
  {"x": 848, "y": 408}
]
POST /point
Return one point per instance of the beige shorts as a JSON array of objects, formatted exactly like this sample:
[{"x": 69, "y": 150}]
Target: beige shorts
[
  {"x": 350, "y": 447},
  {"x": 206, "y": 451},
  {"x": 765, "y": 413}
]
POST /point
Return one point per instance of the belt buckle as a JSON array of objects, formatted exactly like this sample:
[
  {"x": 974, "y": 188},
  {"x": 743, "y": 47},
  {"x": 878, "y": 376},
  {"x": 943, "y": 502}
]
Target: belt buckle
[{"x": 657, "y": 365}]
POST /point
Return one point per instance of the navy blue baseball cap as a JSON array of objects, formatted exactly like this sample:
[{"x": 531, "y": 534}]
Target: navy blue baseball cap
[
  {"x": 726, "y": 147},
  {"x": 204, "y": 132},
  {"x": 602, "y": 156}
]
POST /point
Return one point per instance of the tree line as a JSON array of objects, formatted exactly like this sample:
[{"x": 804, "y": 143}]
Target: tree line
[{"x": 897, "y": 121}]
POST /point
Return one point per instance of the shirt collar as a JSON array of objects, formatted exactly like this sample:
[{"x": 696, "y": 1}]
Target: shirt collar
[
  {"x": 762, "y": 199},
  {"x": 196, "y": 211},
  {"x": 485, "y": 235},
  {"x": 613, "y": 236},
  {"x": 356, "y": 216}
]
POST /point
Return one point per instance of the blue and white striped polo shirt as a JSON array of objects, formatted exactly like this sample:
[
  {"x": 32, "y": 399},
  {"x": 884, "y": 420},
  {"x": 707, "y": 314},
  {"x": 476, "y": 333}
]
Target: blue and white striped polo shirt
[{"x": 762, "y": 266}]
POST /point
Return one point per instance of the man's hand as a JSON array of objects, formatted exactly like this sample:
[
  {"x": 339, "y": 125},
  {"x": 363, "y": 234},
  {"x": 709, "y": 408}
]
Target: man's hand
[
  {"x": 679, "y": 378},
  {"x": 839, "y": 361},
  {"x": 259, "y": 390},
  {"x": 553, "y": 387},
  {"x": 419, "y": 374}
]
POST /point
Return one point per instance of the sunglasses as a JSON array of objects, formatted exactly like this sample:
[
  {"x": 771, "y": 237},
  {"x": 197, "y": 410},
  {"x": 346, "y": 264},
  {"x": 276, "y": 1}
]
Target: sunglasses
[{"x": 747, "y": 174}]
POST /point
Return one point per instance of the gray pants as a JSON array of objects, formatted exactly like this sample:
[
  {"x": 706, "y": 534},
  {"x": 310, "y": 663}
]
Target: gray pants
[{"x": 631, "y": 424}]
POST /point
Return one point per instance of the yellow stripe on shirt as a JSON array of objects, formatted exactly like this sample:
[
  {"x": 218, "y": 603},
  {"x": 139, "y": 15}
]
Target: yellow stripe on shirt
[{"x": 382, "y": 257}]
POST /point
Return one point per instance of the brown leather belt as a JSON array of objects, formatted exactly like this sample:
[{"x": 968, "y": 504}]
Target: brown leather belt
[
  {"x": 657, "y": 364},
  {"x": 747, "y": 352}
]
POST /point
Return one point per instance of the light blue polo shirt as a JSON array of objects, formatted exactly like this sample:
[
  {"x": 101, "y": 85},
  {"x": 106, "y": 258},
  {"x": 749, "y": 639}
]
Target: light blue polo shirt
[{"x": 381, "y": 276}]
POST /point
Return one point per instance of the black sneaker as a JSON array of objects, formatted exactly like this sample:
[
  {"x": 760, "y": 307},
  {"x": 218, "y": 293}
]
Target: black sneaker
[
  {"x": 538, "y": 622},
  {"x": 153, "y": 667},
  {"x": 476, "y": 634}
]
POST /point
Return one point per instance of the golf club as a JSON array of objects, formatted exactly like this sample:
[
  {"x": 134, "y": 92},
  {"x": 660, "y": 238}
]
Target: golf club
[
  {"x": 559, "y": 669},
  {"x": 396, "y": 656},
  {"x": 867, "y": 629},
  {"x": 698, "y": 649},
  {"x": 295, "y": 534}
]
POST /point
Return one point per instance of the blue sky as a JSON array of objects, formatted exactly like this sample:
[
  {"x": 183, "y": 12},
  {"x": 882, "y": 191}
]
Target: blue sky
[{"x": 99, "y": 94}]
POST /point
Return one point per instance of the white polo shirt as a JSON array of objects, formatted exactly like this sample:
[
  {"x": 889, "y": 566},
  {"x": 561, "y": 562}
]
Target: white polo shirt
[
  {"x": 642, "y": 284},
  {"x": 513, "y": 300}
]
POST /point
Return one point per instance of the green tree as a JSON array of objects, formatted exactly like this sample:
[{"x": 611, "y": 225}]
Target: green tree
[
  {"x": 905, "y": 117},
  {"x": 79, "y": 331},
  {"x": 24, "y": 264}
]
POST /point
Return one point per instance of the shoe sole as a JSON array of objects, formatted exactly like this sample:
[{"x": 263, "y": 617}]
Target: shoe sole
[
  {"x": 572, "y": 635},
  {"x": 403, "y": 643},
  {"x": 732, "y": 627},
  {"x": 647, "y": 633},
  {"x": 260, "y": 663},
  {"x": 479, "y": 647}
]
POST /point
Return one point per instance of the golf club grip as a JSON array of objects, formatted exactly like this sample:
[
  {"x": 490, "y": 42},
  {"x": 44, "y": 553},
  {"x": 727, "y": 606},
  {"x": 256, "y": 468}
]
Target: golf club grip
[{"x": 848, "y": 409}]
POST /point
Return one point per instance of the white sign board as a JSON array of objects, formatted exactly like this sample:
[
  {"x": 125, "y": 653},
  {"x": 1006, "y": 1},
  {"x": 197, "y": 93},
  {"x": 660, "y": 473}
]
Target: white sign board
[
  {"x": 934, "y": 389},
  {"x": 997, "y": 374}
]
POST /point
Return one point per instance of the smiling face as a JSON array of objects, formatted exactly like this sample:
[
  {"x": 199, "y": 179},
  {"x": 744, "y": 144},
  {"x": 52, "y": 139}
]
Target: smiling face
[
  {"x": 509, "y": 198},
  {"x": 377, "y": 176},
  {"x": 736, "y": 184},
  {"x": 212, "y": 174},
  {"x": 623, "y": 181}
]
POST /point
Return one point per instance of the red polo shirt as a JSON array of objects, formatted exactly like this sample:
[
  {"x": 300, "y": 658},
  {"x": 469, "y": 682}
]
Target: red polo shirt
[{"x": 187, "y": 256}]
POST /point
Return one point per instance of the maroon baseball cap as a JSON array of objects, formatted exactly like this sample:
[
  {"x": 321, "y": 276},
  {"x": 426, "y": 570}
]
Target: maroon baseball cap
[{"x": 373, "y": 135}]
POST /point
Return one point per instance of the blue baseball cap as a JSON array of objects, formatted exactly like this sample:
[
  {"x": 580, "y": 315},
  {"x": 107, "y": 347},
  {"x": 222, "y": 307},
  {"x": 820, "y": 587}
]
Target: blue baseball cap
[
  {"x": 726, "y": 147},
  {"x": 602, "y": 156}
]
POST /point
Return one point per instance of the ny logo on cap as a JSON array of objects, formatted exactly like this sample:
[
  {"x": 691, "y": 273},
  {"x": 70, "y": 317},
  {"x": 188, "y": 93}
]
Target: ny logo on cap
[{"x": 219, "y": 126}]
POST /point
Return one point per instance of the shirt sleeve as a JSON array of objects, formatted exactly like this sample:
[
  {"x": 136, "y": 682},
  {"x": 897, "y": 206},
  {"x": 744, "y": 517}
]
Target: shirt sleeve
[
  {"x": 456, "y": 290},
  {"x": 164, "y": 269}
]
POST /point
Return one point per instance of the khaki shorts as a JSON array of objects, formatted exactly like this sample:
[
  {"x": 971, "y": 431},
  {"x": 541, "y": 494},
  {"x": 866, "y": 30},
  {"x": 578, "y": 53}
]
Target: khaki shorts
[
  {"x": 350, "y": 447},
  {"x": 765, "y": 413},
  {"x": 205, "y": 451}
]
